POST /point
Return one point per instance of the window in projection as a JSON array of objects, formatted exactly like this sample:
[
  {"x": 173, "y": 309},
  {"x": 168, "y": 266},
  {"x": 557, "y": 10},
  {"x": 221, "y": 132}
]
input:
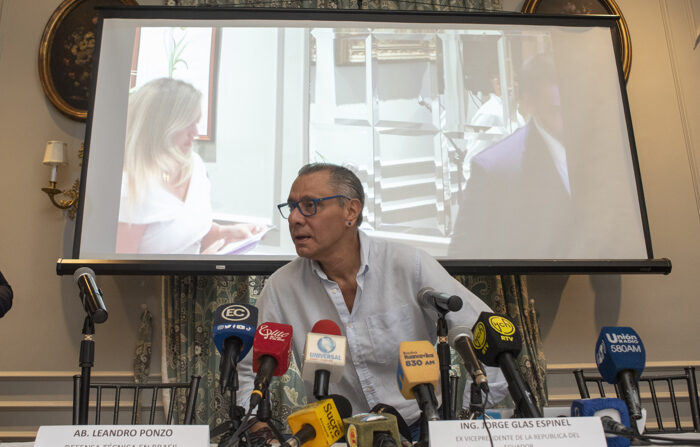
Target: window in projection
[{"x": 471, "y": 141}]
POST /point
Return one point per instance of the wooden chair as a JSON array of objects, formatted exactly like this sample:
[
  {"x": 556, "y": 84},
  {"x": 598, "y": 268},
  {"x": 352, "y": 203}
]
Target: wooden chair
[{"x": 136, "y": 392}]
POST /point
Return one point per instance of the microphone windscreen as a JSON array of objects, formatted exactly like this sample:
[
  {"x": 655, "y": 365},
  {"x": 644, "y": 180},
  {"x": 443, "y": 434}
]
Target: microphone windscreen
[
  {"x": 324, "y": 417},
  {"x": 418, "y": 363},
  {"x": 326, "y": 327},
  {"x": 235, "y": 320},
  {"x": 324, "y": 352},
  {"x": 343, "y": 405},
  {"x": 494, "y": 335},
  {"x": 275, "y": 340},
  {"x": 612, "y": 407},
  {"x": 403, "y": 426},
  {"x": 363, "y": 429},
  {"x": 619, "y": 349}
]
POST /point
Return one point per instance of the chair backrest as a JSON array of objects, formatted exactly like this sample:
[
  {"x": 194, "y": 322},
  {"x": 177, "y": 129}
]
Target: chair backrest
[
  {"x": 671, "y": 384},
  {"x": 136, "y": 393}
]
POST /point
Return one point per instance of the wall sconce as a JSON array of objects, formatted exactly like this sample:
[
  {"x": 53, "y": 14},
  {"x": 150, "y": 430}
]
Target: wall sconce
[{"x": 54, "y": 156}]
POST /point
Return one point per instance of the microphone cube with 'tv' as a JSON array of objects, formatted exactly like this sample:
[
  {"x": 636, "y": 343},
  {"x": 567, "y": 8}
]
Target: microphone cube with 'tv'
[{"x": 494, "y": 335}]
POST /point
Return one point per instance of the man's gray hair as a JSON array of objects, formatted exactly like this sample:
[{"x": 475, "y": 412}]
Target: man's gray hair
[{"x": 343, "y": 182}]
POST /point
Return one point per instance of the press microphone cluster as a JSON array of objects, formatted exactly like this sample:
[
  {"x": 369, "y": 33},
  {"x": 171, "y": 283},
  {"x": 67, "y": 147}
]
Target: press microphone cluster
[
  {"x": 233, "y": 331},
  {"x": 324, "y": 357},
  {"x": 90, "y": 294}
]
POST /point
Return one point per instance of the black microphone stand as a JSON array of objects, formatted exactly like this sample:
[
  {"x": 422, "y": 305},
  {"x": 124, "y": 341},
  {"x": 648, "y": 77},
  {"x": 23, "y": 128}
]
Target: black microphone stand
[
  {"x": 443, "y": 351},
  {"x": 476, "y": 404},
  {"x": 86, "y": 362},
  {"x": 265, "y": 415},
  {"x": 236, "y": 412},
  {"x": 424, "y": 440}
]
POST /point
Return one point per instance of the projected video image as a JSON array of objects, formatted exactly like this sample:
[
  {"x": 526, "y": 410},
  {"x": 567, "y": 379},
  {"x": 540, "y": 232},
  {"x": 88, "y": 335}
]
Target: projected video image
[{"x": 471, "y": 141}]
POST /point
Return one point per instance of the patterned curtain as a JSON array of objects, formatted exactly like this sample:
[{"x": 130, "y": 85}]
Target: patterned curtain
[{"x": 188, "y": 301}]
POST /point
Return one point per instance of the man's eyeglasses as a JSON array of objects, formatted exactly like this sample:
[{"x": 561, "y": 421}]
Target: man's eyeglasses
[{"x": 307, "y": 207}]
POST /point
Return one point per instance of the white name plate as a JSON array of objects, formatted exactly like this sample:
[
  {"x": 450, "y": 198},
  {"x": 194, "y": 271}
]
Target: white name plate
[
  {"x": 122, "y": 436},
  {"x": 541, "y": 432}
]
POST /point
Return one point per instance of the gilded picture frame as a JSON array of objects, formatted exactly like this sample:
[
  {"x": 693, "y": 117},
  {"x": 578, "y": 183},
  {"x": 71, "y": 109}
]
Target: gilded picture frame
[
  {"x": 588, "y": 7},
  {"x": 65, "y": 54}
]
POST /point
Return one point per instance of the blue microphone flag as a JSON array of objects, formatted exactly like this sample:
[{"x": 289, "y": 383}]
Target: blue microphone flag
[{"x": 619, "y": 349}]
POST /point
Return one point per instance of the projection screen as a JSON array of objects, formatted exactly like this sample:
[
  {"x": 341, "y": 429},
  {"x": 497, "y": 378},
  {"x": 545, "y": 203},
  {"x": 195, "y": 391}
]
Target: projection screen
[{"x": 486, "y": 140}]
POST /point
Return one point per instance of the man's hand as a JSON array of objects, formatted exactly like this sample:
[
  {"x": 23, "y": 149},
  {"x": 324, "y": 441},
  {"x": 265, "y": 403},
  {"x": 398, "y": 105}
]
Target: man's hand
[{"x": 262, "y": 431}]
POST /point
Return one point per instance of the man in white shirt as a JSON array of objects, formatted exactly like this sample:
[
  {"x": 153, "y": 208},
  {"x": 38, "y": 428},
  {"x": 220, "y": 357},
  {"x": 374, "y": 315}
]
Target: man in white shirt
[{"x": 366, "y": 285}]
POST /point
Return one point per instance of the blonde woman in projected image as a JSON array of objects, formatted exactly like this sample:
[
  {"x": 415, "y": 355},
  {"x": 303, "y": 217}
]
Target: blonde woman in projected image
[{"x": 165, "y": 204}]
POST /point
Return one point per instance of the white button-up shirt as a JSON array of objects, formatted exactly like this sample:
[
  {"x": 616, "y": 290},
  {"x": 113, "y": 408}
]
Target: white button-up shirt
[{"x": 385, "y": 313}]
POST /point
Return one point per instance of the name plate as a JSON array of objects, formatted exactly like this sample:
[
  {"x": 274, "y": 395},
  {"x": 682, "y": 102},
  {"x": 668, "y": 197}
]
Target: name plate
[
  {"x": 122, "y": 436},
  {"x": 541, "y": 432}
]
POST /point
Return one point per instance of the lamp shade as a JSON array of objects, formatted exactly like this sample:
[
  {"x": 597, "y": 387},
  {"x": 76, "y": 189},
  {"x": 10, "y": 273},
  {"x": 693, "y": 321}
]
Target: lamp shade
[{"x": 55, "y": 153}]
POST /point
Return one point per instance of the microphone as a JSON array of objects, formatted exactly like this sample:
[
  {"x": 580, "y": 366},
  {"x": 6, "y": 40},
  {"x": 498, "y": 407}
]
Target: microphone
[
  {"x": 620, "y": 357},
  {"x": 271, "y": 350},
  {"x": 324, "y": 357},
  {"x": 404, "y": 431},
  {"x": 442, "y": 302},
  {"x": 497, "y": 343},
  {"x": 372, "y": 430},
  {"x": 614, "y": 416},
  {"x": 319, "y": 424},
  {"x": 417, "y": 375},
  {"x": 459, "y": 338},
  {"x": 90, "y": 294},
  {"x": 233, "y": 330}
]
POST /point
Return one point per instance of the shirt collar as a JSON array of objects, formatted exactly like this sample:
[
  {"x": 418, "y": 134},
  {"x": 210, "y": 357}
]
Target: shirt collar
[{"x": 365, "y": 244}]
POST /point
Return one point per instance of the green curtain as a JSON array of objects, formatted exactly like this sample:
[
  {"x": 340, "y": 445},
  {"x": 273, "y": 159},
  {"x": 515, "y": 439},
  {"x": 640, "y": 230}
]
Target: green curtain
[{"x": 188, "y": 301}]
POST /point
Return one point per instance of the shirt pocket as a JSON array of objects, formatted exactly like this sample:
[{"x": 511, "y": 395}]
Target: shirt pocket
[{"x": 387, "y": 331}]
